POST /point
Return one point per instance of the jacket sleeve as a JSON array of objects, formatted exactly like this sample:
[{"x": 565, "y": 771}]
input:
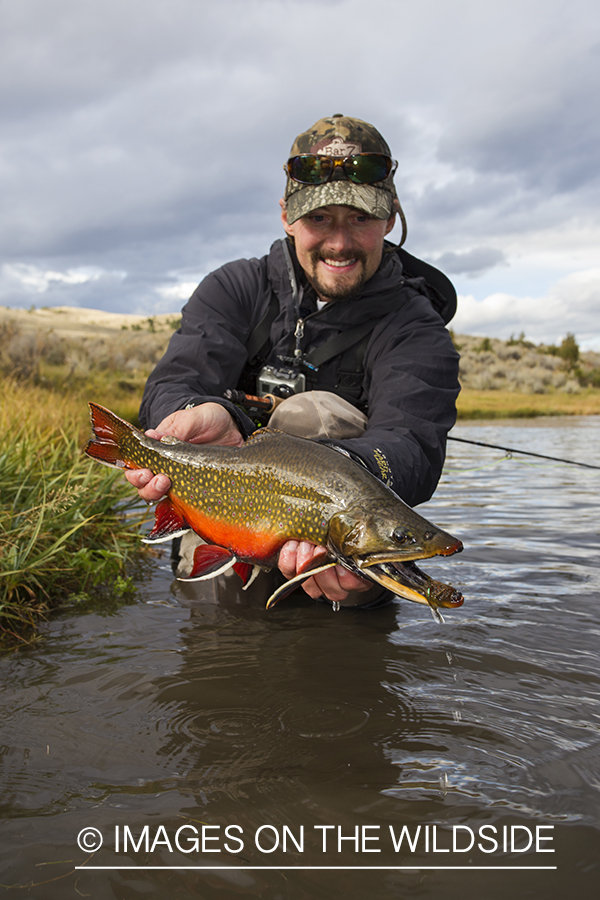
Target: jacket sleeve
[
  {"x": 208, "y": 352},
  {"x": 411, "y": 373}
]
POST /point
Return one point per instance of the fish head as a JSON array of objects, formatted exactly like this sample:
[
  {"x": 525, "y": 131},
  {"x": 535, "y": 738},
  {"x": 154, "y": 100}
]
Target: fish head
[
  {"x": 380, "y": 541},
  {"x": 387, "y": 532}
]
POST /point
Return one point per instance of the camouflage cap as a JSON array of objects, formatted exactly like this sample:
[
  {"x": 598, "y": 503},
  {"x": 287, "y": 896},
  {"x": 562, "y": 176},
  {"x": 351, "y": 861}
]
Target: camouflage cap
[{"x": 340, "y": 136}]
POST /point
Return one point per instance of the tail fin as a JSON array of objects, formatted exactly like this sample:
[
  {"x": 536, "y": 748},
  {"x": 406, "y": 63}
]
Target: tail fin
[{"x": 109, "y": 432}]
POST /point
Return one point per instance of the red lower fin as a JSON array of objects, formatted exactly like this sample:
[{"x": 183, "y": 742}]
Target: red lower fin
[
  {"x": 168, "y": 523},
  {"x": 210, "y": 561},
  {"x": 244, "y": 570}
]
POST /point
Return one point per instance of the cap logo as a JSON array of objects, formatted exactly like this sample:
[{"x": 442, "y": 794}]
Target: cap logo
[{"x": 336, "y": 146}]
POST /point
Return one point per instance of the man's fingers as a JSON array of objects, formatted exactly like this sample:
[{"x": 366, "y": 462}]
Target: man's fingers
[
  {"x": 139, "y": 478},
  {"x": 208, "y": 423},
  {"x": 296, "y": 554},
  {"x": 306, "y": 552},
  {"x": 351, "y": 582},
  {"x": 335, "y": 583},
  {"x": 150, "y": 487},
  {"x": 287, "y": 559},
  {"x": 155, "y": 489}
]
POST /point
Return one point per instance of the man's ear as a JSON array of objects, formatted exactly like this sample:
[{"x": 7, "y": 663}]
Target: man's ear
[
  {"x": 390, "y": 222},
  {"x": 284, "y": 221}
]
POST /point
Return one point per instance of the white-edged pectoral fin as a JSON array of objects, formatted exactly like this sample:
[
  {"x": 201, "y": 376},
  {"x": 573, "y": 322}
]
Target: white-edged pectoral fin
[{"x": 291, "y": 585}]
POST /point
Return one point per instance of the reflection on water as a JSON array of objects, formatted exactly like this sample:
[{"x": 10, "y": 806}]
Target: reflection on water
[{"x": 196, "y": 708}]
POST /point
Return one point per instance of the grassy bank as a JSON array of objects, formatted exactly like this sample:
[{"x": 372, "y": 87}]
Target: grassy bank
[
  {"x": 473, "y": 404},
  {"x": 67, "y": 525}
]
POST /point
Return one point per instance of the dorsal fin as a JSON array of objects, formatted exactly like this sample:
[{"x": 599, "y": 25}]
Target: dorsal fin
[{"x": 263, "y": 433}]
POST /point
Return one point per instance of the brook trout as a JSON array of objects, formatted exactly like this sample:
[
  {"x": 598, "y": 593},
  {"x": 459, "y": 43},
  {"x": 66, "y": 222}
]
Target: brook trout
[{"x": 247, "y": 502}]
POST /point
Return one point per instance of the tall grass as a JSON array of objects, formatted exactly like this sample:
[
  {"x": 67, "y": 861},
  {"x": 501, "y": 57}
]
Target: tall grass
[
  {"x": 67, "y": 525},
  {"x": 108, "y": 368}
]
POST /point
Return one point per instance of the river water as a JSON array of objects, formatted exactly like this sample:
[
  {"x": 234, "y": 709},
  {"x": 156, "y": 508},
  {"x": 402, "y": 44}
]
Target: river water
[{"x": 222, "y": 751}]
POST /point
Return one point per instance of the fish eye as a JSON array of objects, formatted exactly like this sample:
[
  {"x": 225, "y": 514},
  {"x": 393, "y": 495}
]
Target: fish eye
[{"x": 403, "y": 537}]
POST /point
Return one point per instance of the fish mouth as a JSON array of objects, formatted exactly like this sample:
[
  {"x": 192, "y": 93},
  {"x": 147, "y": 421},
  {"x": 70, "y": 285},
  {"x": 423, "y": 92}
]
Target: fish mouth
[
  {"x": 406, "y": 580},
  {"x": 408, "y": 554}
]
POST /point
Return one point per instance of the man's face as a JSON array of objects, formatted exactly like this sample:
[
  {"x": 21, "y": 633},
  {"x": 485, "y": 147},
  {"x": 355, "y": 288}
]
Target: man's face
[{"x": 339, "y": 248}]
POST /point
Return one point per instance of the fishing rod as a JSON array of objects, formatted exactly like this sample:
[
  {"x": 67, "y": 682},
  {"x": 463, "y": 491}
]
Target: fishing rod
[
  {"x": 267, "y": 404},
  {"x": 570, "y": 462}
]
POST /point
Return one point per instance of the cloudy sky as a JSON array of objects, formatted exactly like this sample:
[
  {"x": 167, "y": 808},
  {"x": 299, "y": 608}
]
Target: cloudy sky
[{"x": 142, "y": 144}]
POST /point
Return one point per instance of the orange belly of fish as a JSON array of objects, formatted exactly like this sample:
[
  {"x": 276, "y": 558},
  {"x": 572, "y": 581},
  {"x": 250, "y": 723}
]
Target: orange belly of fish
[{"x": 247, "y": 544}]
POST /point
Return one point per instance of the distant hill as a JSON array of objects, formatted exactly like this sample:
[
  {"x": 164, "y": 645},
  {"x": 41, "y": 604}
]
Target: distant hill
[
  {"x": 85, "y": 339},
  {"x": 489, "y": 364}
]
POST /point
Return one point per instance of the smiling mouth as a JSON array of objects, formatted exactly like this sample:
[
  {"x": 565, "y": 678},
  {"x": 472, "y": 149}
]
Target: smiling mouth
[{"x": 339, "y": 263}]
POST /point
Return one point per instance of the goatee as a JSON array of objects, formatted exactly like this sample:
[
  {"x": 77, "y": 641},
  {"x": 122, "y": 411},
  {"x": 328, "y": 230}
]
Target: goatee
[{"x": 341, "y": 291}]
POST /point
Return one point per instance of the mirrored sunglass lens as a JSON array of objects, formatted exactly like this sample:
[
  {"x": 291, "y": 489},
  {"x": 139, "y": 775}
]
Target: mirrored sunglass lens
[
  {"x": 367, "y": 169},
  {"x": 310, "y": 169}
]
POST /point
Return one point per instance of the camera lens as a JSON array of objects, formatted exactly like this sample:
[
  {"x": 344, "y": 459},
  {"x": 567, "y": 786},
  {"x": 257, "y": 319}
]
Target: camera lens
[{"x": 283, "y": 390}]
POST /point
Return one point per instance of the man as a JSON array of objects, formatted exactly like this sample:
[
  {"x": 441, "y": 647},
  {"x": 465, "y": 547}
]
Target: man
[{"x": 331, "y": 310}]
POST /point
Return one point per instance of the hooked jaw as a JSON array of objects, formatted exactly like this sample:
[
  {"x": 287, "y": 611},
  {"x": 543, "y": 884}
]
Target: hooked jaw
[{"x": 407, "y": 580}]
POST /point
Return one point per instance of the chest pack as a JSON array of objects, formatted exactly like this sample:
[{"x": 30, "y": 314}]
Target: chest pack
[{"x": 348, "y": 348}]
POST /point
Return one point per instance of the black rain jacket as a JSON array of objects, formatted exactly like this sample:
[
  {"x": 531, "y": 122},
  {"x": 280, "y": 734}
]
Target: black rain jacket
[{"x": 410, "y": 382}]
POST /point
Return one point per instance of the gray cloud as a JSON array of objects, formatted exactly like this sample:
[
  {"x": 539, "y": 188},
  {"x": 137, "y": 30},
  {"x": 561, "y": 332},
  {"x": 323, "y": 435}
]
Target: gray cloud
[
  {"x": 472, "y": 262},
  {"x": 146, "y": 139}
]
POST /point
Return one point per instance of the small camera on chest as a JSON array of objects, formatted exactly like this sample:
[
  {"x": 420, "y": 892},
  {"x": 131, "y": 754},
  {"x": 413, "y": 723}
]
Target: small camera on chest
[{"x": 281, "y": 381}]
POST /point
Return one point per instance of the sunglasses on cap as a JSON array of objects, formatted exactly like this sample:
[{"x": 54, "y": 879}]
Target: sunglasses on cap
[{"x": 362, "y": 168}]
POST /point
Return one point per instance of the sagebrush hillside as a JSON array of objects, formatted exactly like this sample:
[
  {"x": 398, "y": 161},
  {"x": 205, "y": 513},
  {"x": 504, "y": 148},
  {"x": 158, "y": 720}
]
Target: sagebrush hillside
[
  {"x": 490, "y": 364},
  {"x": 65, "y": 346}
]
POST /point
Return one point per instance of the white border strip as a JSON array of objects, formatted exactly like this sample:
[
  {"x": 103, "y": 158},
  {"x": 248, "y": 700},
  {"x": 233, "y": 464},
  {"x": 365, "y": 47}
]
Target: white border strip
[{"x": 322, "y": 868}]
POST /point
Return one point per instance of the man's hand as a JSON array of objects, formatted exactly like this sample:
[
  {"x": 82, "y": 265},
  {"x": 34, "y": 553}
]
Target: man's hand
[
  {"x": 209, "y": 423},
  {"x": 335, "y": 584}
]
